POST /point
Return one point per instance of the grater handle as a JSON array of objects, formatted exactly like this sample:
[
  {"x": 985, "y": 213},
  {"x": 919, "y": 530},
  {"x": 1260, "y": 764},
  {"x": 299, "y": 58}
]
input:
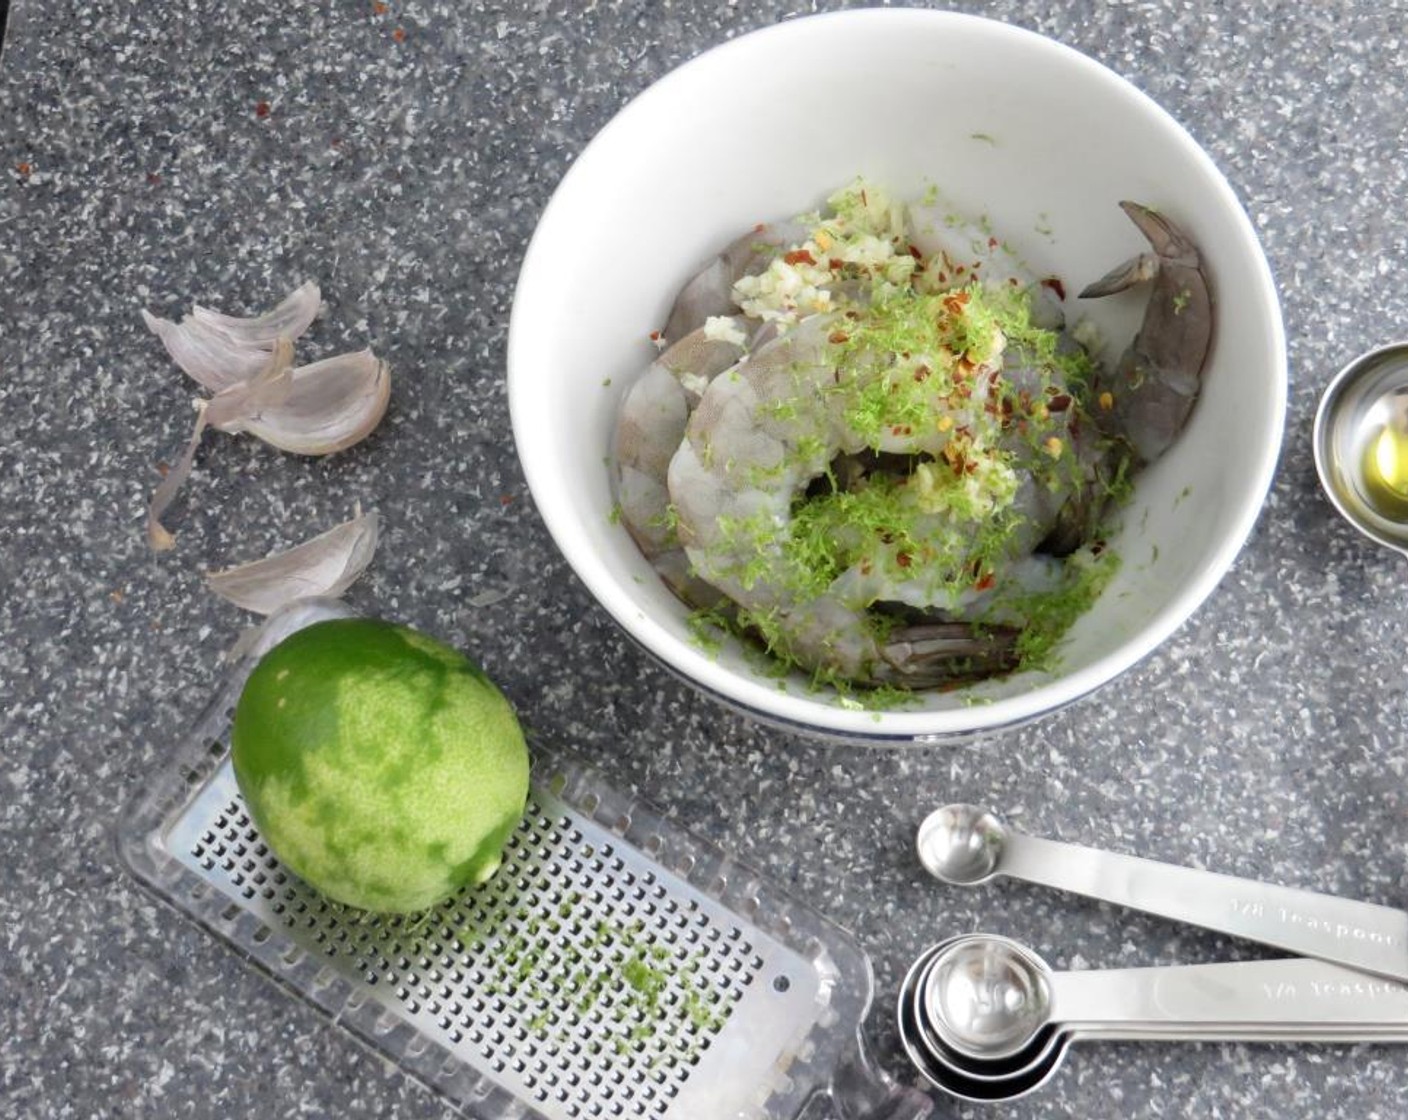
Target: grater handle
[{"x": 861, "y": 1090}]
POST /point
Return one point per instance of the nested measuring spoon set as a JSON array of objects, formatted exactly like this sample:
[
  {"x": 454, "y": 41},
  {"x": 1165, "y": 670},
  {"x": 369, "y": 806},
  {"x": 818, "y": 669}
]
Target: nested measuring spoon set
[{"x": 986, "y": 1019}]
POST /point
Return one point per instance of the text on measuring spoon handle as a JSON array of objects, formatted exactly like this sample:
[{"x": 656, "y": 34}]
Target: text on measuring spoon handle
[{"x": 1294, "y": 919}]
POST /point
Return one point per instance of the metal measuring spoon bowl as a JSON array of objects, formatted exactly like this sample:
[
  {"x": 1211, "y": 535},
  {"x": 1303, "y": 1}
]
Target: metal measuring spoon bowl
[
  {"x": 967, "y": 1079},
  {"x": 1361, "y": 444},
  {"x": 919, "y": 988},
  {"x": 987, "y": 996},
  {"x": 961, "y": 844}
]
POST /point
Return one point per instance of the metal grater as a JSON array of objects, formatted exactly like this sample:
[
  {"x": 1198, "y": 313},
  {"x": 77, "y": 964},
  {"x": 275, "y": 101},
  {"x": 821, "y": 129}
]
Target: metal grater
[{"x": 615, "y": 966}]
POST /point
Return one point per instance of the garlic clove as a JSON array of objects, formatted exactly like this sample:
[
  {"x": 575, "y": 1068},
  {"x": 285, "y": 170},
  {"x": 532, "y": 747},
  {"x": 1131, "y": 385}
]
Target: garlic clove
[
  {"x": 211, "y": 358},
  {"x": 330, "y": 405},
  {"x": 288, "y": 320},
  {"x": 326, "y": 565}
]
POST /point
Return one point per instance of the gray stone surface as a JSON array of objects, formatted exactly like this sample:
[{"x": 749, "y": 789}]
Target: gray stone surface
[{"x": 403, "y": 160}]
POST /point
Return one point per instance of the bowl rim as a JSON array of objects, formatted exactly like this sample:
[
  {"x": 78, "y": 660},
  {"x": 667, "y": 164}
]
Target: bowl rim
[{"x": 804, "y": 712}]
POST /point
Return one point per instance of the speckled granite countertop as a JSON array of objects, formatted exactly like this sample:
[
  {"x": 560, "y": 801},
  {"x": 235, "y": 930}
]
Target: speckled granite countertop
[{"x": 401, "y": 152}]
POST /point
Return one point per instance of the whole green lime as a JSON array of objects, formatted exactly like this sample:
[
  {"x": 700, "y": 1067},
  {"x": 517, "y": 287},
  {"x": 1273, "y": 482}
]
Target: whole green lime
[{"x": 380, "y": 765}]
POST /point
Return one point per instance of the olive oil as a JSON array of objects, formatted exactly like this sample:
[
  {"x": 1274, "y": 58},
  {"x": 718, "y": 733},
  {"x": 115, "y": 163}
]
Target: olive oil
[{"x": 1385, "y": 473}]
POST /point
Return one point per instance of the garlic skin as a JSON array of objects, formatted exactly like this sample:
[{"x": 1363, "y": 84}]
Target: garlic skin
[
  {"x": 327, "y": 565},
  {"x": 288, "y": 320},
  {"x": 212, "y": 359},
  {"x": 329, "y": 406},
  {"x": 270, "y": 386},
  {"x": 221, "y": 351},
  {"x": 247, "y": 366},
  {"x": 159, "y": 537}
]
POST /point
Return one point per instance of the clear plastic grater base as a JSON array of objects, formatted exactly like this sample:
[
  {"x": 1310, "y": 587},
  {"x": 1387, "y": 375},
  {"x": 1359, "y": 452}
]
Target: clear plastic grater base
[{"x": 614, "y": 967}]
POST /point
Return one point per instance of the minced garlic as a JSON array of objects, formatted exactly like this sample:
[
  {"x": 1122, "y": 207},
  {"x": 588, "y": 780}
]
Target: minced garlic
[{"x": 722, "y": 328}]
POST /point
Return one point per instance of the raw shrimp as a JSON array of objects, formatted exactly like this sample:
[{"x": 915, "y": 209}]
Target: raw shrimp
[
  {"x": 1155, "y": 384},
  {"x": 898, "y": 479},
  {"x": 649, "y": 429},
  {"x": 710, "y": 292},
  {"x": 768, "y": 428},
  {"x": 1143, "y": 405},
  {"x": 957, "y": 251}
]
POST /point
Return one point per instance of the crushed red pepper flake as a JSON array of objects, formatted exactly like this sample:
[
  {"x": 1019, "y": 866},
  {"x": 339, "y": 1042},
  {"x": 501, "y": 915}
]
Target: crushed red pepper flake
[
  {"x": 153, "y": 179},
  {"x": 262, "y": 109},
  {"x": 25, "y": 168},
  {"x": 798, "y": 256},
  {"x": 505, "y": 499},
  {"x": 1053, "y": 283},
  {"x": 838, "y": 337},
  {"x": 378, "y": 8},
  {"x": 399, "y": 34}
]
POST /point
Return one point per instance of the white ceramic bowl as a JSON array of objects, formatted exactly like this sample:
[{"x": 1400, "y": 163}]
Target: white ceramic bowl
[{"x": 1008, "y": 124}]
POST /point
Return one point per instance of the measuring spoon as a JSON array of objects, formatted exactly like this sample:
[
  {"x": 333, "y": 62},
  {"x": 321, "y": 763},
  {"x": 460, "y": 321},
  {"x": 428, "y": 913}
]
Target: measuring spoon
[
  {"x": 1361, "y": 444},
  {"x": 965, "y": 845},
  {"x": 984, "y": 1018}
]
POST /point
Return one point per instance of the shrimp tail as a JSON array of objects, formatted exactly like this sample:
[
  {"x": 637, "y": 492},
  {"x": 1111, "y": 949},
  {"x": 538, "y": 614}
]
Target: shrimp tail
[
  {"x": 933, "y": 653},
  {"x": 1172, "y": 248},
  {"x": 1137, "y": 270}
]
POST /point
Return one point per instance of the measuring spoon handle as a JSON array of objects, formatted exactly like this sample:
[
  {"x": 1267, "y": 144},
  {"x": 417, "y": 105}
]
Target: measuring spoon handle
[
  {"x": 1295, "y": 994},
  {"x": 1359, "y": 935}
]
